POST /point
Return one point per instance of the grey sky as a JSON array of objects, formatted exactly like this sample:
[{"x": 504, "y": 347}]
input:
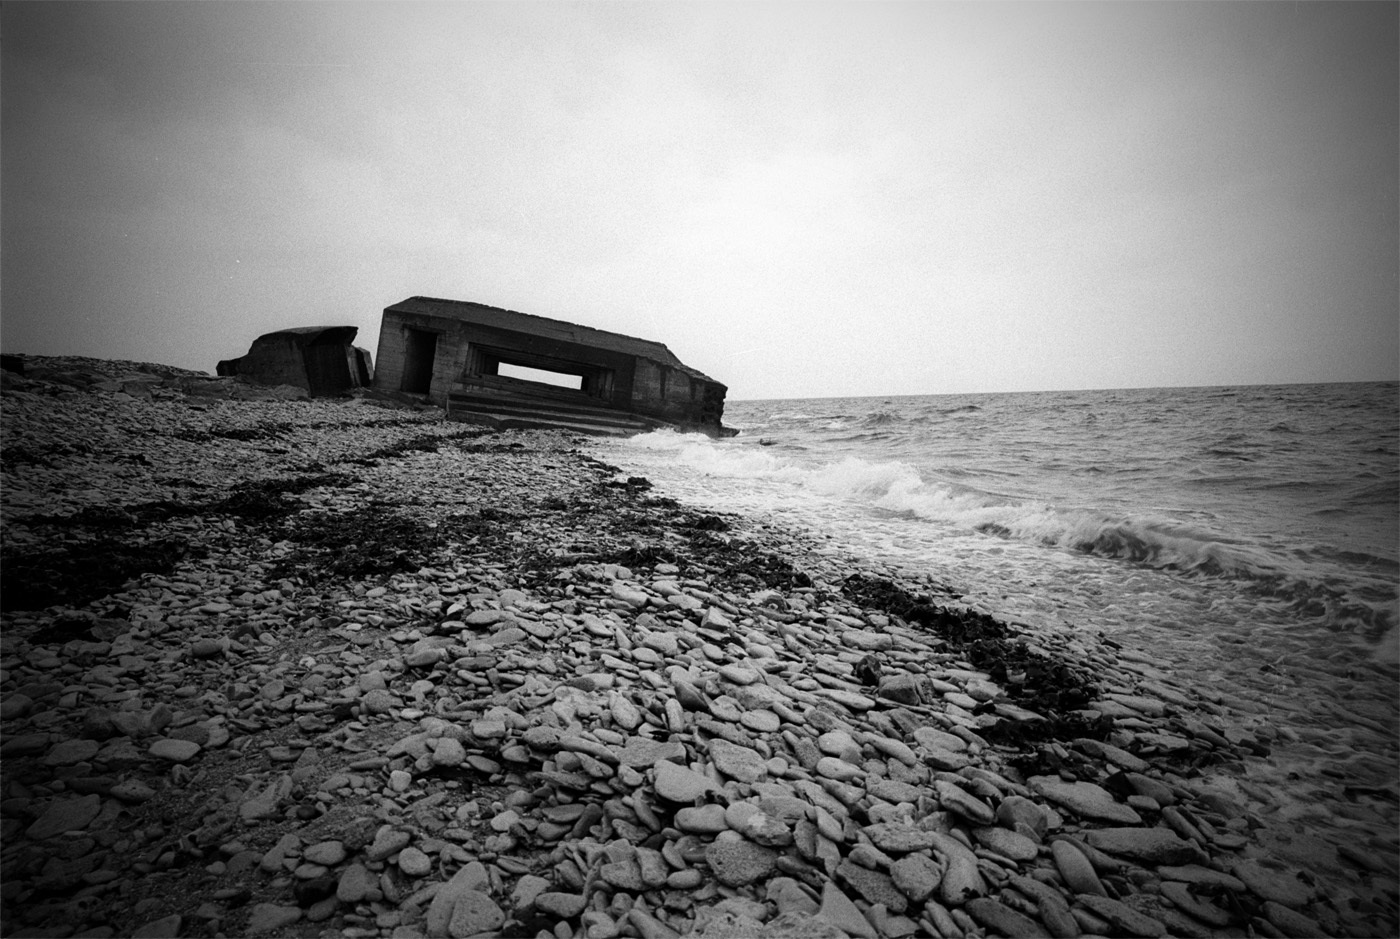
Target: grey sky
[{"x": 799, "y": 199}]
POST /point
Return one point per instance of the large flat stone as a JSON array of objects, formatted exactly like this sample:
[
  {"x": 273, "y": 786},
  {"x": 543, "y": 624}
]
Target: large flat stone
[
  {"x": 738, "y": 862},
  {"x": 894, "y": 838},
  {"x": 874, "y": 886},
  {"x": 738, "y": 762},
  {"x": 956, "y": 799},
  {"x": 65, "y": 815},
  {"x": 473, "y": 913},
  {"x": 676, "y": 783},
  {"x": 1000, "y": 920},
  {"x": 1280, "y": 886},
  {"x": 1151, "y": 846},
  {"x": 1085, "y": 800},
  {"x": 640, "y": 752},
  {"x": 176, "y": 751},
  {"x": 802, "y": 925},
  {"x": 838, "y": 910},
  {"x": 916, "y": 876}
]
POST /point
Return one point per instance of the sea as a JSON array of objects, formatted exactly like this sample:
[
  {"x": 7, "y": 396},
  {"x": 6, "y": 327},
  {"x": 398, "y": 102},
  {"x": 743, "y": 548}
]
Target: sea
[{"x": 1245, "y": 540}]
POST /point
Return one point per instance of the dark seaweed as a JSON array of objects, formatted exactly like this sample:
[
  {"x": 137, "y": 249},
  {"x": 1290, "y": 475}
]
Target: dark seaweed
[
  {"x": 80, "y": 573},
  {"x": 1052, "y": 689},
  {"x": 356, "y": 544},
  {"x": 264, "y": 500},
  {"x": 432, "y": 443}
]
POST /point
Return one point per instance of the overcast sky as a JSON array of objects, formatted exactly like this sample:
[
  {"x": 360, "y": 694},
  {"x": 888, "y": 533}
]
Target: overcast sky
[{"x": 799, "y": 199}]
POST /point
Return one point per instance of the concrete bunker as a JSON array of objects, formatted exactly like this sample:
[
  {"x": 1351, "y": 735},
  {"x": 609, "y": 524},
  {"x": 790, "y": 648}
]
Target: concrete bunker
[
  {"x": 321, "y": 359},
  {"x": 516, "y": 369}
]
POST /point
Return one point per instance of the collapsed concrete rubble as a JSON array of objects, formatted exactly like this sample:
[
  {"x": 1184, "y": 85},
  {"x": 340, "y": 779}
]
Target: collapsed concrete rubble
[{"x": 323, "y": 360}]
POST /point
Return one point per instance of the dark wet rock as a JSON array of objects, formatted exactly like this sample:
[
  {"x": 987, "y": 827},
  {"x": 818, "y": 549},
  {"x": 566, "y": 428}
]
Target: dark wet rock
[
  {"x": 1152, "y": 846},
  {"x": 65, "y": 815},
  {"x": 167, "y": 927},
  {"x": 1271, "y": 883},
  {"x": 1122, "y": 917},
  {"x": 1084, "y": 799},
  {"x": 1290, "y": 922},
  {"x": 267, "y": 918},
  {"x": 1198, "y": 907}
]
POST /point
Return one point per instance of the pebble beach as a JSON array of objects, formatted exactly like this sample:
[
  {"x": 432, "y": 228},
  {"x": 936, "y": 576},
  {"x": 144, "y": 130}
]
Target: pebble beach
[{"x": 283, "y": 667}]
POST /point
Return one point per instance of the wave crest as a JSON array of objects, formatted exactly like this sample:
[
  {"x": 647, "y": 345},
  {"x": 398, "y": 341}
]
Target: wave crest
[{"x": 894, "y": 488}]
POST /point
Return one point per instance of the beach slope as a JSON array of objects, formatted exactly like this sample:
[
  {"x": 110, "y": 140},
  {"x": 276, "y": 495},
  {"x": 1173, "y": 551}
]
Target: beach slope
[{"x": 279, "y": 667}]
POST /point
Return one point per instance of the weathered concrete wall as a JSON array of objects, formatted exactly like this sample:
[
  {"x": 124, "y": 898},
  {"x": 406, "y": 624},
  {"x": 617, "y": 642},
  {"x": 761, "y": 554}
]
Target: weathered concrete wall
[
  {"x": 677, "y": 395},
  {"x": 664, "y": 392},
  {"x": 362, "y": 365},
  {"x": 319, "y": 359},
  {"x": 271, "y": 360},
  {"x": 388, "y": 357},
  {"x": 395, "y": 344}
]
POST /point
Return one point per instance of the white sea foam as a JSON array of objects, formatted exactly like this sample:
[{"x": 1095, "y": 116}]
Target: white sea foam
[
  {"x": 880, "y": 499},
  {"x": 898, "y": 488}
]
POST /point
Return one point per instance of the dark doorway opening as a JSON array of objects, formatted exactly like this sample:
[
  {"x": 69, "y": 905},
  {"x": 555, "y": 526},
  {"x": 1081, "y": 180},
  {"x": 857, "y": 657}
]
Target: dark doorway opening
[{"x": 420, "y": 349}]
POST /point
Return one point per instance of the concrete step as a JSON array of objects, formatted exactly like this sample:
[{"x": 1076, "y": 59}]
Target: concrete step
[
  {"x": 611, "y": 419},
  {"x": 514, "y": 411},
  {"x": 516, "y": 421},
  {"x": 522, "y": 404}
]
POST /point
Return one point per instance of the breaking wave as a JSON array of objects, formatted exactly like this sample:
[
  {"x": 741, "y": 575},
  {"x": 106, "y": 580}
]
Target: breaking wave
[{"x": 897, "y": 490}]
